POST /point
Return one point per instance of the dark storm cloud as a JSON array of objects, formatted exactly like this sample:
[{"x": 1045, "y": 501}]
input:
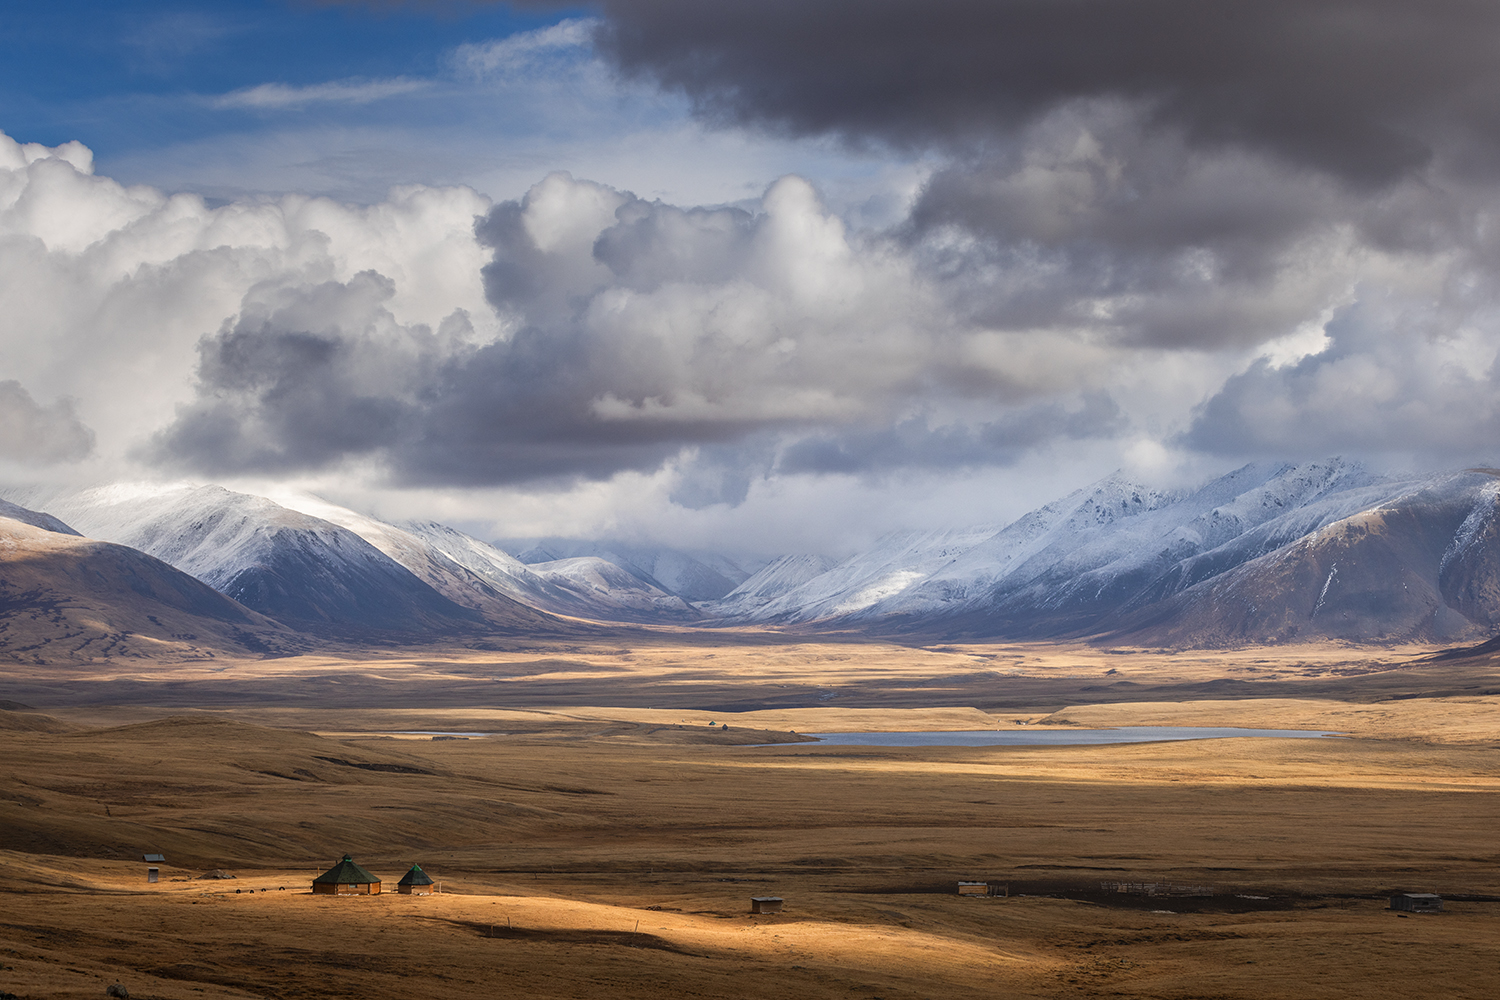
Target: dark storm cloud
[
  {"x": 283, "y": 387},
  {"x": 40, "y": 435},
  {"x": 916, "y": 444},
  {"x": 277, "y": 396},
  {"x": 1092, "y": 221},
  {"x": 1166, "y": 173},
  {"x": 1363, "y": 89}
]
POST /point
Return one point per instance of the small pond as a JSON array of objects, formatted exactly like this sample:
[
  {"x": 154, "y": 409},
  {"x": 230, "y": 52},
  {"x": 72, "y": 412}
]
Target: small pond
[
  {"x": 1040, "y": 736},
  {"x": 430, "y": 732}
]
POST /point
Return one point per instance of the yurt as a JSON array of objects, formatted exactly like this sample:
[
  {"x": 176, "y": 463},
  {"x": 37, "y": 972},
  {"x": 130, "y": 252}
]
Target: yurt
[
  {"x": 415, "y": 882},
  {"x": 346, "y": 878}
]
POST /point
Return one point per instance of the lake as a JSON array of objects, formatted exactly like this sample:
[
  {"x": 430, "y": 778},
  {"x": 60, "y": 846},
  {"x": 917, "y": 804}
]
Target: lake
[{"x": 1039, "y": 736}]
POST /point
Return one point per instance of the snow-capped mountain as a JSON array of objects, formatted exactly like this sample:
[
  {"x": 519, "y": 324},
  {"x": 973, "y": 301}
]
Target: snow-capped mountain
[
  {"x": 601, "y": 589},
  {"x": 1269, "y": 552},
  {"x": 583, "y": 587},
  {"x": 1423, "y": 563},
  {"x": 1173, "y": 565},
  {"x": 897, "y": 562},
  {"x": 692, "y": 576},
  {"x": 1116, "y": 544},
  {"x": 768, "y": 583},
  {"x": 480, "y": 576},
  {"x": 427, "y": 562},
  {"x": 298, "y": 569}
]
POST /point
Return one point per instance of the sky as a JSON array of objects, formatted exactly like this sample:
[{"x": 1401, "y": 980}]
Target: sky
[{"x": 747, "y": 278}]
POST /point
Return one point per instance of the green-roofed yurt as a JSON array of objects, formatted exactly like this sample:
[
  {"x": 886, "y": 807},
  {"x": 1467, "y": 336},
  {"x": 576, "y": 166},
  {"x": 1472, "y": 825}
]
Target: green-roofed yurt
[
  {"x": 346, "y": 878},
  {"x": 415, "y": 882}
]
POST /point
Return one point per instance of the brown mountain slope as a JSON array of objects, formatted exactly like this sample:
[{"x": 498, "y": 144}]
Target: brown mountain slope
[
  {"x": 1425, "y": 568},
  {"x": 65, "y": 598}
]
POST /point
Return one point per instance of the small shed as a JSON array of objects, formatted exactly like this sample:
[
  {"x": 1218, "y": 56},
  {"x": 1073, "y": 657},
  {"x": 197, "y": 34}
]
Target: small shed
[
  {"x": 973, "y": 888},
  {"x": 1417, "y": 902},
  {"x": 346, "y": 879},
  {"x": 153, "y": 874},
  {"x": 766, "y": 904},
  {"x": 415, "y": 883}
]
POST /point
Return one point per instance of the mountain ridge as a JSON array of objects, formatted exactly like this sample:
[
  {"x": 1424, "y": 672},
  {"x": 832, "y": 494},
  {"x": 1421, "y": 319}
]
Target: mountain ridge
[
  {"x": 297, "y": 569},
  {"x": 64, "y": 597},
  {"x": 1270, "y": 552}
]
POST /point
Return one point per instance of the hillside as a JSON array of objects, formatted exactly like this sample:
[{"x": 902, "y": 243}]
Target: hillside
[
  {"x": 1269, "y": 552},
  {"x": 298, "y": 569},
  {"x": 66, "y": 598}
]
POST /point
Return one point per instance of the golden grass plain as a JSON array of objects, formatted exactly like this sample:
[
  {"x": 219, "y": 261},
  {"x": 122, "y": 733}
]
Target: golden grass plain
[{"x": 605, "y": 841}]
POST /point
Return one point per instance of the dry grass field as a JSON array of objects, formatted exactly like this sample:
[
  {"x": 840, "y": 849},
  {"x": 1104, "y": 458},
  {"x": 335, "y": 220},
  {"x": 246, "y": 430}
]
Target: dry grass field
[{"x": 605, "y": 839}]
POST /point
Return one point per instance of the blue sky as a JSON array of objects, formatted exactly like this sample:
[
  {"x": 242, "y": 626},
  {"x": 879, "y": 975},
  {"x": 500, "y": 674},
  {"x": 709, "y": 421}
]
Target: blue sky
[
  {"x": 269, "y": 96},
  {"x": 130, "y": 74}
]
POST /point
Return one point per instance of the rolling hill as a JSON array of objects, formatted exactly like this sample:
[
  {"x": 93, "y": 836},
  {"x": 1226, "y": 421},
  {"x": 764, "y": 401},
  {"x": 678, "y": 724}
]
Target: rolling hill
[{"x": 67, "y": 598}]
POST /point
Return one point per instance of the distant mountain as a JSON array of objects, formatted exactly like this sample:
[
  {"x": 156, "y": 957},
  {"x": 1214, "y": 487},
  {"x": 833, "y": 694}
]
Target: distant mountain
[
  {"x": 1068, "y": 567},
  {"x": 602, "y": 589},
  {"x": 67, "y": 598},
  {"x": 479, "y": 576},
  {"x": 429, "y": 563},
  {"x": 769, "y": 583},
  {"x": 1421, "y": 565},
  {"x": 1270, "y": 552},
  {"x": 298, "y": 569},
  {"x": 35, "y": 518},
  {"x": 692, "y": 576},
  {"x": 857, "y": 584}
]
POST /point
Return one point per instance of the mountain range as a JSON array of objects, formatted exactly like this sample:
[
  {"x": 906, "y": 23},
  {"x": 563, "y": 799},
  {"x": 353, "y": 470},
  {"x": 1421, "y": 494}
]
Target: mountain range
[{"x": 1272, "y": 552}]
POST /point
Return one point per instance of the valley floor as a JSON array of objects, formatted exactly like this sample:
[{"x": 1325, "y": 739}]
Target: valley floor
[{"x": 590, "y": 849}]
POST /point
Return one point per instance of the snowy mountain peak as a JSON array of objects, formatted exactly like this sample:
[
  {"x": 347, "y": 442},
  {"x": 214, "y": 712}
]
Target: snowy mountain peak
[{"x": 289, "y": 565}]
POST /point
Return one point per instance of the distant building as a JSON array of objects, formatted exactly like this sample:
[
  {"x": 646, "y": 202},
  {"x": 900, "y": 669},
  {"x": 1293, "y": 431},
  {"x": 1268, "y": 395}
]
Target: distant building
[
  {"x": 346, "y": 879},
  {"x": 973, "y": 888},
  {"x": 148, "y": 858},
  {"x": 415, "y": 883},
  {"x": 766, "y": 904},
  {"x": 1417, "y": 902}
]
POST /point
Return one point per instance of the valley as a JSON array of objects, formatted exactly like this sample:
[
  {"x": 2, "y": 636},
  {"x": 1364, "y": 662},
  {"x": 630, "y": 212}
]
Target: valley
[
  {"x": 601, "y": 752},
  {"x": 608, "y": 830}
]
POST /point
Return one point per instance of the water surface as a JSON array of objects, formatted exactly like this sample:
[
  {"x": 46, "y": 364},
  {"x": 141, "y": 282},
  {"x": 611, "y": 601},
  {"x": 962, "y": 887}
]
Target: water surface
[{"x": 1039, "y": 736}]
